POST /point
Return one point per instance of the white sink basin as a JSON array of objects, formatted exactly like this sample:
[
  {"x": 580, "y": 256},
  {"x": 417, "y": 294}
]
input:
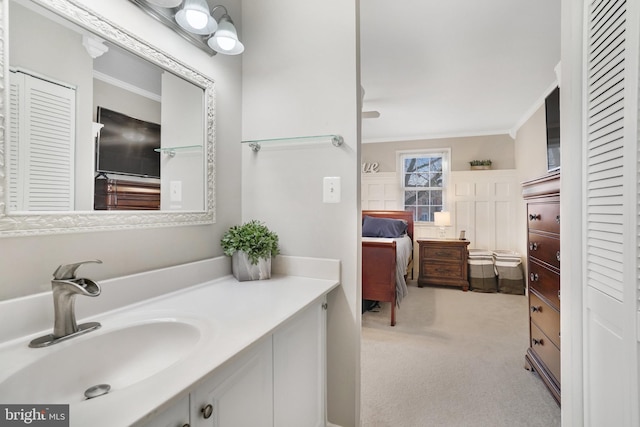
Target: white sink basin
[{"x": 119, "y": 357}]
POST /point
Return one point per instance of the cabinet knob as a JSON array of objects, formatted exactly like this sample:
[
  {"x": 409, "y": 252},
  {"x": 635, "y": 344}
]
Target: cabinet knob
[
  {"x": 533, "y": 246},
  {"x": 536, "y": 308},
  {"x": 537, "y": 341},
  {"x": 207, "y": 411},
  {"x": 533, "y": 277},
  {"x": 534, "y": 217}
]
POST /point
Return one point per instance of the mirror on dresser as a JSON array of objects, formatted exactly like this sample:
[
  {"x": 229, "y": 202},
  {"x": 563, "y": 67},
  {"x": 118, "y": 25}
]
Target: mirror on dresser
[{"x": 83, "y": 75}]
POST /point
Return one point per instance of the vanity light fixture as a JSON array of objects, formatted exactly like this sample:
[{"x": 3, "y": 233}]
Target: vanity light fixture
[
  {"x": 166, "y": 3},
  {"x": 195, "y": 21},
  {"x": 225, "y": 40},
  {"x": 194, "y": 17}
]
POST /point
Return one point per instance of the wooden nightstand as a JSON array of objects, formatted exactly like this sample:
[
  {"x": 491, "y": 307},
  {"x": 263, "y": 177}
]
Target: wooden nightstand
[{"x": 443, "y": 262}]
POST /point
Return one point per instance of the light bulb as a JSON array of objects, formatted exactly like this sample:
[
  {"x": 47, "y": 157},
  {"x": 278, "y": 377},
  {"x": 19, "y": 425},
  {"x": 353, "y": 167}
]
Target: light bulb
[
  {"x": 196, "y": 18},
  {"x": 226, "y": 43}
]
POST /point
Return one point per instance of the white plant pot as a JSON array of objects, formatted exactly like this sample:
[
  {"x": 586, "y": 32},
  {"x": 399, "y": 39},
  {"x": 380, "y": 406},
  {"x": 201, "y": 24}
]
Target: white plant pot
[{"x": 243, "y": 270}]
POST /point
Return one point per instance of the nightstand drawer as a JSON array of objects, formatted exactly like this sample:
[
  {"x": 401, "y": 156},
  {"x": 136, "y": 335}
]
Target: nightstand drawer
[
  {"x": 545, "y": 317},
  {"x": 444, "y": 253},
  {"x": 544, "y": 216},
  {"x": 444, "y": 270}
]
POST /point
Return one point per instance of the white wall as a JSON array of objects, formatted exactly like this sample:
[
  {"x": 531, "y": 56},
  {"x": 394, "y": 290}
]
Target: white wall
[
  {"x": 531, "y": 163},
  {"x": 182, "y": 125},
  {"x": 27, "y": 263},
  {"x": 124, "y": 101},
  {"x": 300, "y": 78},
  {"x": 497, "y": 148}
]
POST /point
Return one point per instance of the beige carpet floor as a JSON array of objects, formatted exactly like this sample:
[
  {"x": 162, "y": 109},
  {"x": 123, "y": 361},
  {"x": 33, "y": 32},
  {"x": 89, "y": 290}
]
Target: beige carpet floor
[{"x": 453, "y": 359}]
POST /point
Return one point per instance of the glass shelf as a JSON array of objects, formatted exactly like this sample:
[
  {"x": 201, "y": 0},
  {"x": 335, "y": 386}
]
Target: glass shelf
[
  {"x": 256, "y": 144},
  {"x": 171, "y": 151}
]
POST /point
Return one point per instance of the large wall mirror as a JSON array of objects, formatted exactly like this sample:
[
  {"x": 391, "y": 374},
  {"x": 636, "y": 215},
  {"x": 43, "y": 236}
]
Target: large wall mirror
[{"x": 91, "y": 107}]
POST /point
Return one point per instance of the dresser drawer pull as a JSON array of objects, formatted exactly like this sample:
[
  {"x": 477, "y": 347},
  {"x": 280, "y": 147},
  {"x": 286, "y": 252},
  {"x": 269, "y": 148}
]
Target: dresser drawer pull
[
  {"x": 533, "y": 246},
  {"x": 442, "y": 254},
  {"x": 558, "y": 256},
  {"x": 536, "y": 309},
  {"x": 537, "y": 341},
  {"x": 533, "y": 277},
  {"x": 558, "y": 219},
  {"x": 534, "y": 217}
]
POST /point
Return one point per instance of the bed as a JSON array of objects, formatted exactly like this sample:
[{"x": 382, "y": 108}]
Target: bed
[{"x": 386, "y": 258}]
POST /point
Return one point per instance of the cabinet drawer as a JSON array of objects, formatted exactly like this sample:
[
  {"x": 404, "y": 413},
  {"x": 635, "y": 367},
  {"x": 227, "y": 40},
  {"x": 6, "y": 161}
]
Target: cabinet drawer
[
  {"x": 548, "y": 353},
  {"x": 546, "y": 283},
  {"x": 545, "y": 317},
  {"x": 443, "y": 253},
  {"x": 442, "y": 270},
  {"x": 544, "y": 216},
  {"x": 545, "y": 248}
]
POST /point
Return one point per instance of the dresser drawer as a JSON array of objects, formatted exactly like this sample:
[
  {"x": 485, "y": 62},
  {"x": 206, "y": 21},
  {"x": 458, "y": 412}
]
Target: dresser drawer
[
  {"x": 544, "y": 216},
  {"x": 545, "y": 282},
  {"x": 443, "y": 253},
  {"x": 545, "y": 248},
  {"x": 442, "y": 270},
  {"x": 548, "y": 353},
  {"x": 545, "y": 317}
]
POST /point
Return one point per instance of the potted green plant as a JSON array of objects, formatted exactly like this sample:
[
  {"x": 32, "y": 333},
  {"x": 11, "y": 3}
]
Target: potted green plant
[
  {"x": 251, "y": 247},
  {"x": 480, "y": 164}
]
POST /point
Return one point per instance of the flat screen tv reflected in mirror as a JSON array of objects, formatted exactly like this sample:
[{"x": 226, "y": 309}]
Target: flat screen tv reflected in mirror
[
  {"x": 126, "y": 145},
  {"x": 552, "y": 112}
]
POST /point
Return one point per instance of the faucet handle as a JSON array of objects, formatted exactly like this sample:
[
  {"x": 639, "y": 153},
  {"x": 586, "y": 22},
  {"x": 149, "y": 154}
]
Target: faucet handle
[{"x": 68, "y": 271}]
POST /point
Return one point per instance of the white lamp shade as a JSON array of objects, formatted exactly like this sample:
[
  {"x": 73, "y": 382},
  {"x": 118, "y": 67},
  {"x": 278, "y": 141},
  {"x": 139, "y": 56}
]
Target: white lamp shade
[
  {"x": 442, "y": 219},
  {"x": 166, "y": 3},
  {"x": 225, "y": 40},
  {"x": 195, "y": 18}
]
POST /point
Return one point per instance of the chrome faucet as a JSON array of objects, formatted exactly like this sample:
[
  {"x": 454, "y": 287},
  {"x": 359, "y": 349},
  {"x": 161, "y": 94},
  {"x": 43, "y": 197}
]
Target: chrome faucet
[{"x": 65, "y": 287}]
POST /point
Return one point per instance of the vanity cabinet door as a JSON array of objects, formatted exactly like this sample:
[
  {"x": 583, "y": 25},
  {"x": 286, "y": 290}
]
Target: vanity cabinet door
[
  {"x": 176, "y": 415},
  {"x": 299, "y": 348},
  {"x": 238, "y": 394}
]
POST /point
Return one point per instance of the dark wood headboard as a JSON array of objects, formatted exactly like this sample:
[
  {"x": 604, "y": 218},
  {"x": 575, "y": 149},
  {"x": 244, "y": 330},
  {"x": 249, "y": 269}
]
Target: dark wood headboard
[{"x": 405, "y": 215}]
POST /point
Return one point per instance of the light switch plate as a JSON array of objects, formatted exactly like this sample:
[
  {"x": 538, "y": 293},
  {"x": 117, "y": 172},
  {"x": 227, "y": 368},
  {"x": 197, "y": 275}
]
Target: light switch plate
[
  {"x": 331, "y": 189},
  {"x": 175, "y": 191}
]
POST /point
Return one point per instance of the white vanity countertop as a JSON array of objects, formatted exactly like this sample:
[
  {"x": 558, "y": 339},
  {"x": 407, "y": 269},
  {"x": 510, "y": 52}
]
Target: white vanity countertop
[{"x": 234, "y": 315}]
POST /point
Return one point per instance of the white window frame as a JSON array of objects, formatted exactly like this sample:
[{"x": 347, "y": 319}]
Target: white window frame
[{"x": 446, "y": 171}]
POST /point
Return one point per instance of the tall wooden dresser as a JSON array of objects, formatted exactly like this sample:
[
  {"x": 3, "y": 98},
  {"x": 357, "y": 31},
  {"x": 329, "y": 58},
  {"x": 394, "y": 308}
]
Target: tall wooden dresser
[
  {"x": 118, "y": 194},
  {"x": 542, "y": 196}
]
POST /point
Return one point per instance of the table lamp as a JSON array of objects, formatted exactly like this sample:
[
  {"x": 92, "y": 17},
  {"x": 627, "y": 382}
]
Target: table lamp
[{"x": 442, "y": 220}]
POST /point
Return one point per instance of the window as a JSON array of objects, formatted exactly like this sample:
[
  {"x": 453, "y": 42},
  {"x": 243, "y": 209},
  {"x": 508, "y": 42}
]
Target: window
[{"x": 424, "y": 177}]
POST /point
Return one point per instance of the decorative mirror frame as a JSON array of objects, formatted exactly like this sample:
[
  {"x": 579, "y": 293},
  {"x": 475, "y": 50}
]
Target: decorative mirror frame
[{"x": 29, "y": 224}]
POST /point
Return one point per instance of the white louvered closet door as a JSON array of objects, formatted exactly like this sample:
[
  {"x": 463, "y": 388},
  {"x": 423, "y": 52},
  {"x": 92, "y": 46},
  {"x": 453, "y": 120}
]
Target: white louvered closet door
[
  {"x": 41, "y": 145},
  {"x": 611, "y": 221}
]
